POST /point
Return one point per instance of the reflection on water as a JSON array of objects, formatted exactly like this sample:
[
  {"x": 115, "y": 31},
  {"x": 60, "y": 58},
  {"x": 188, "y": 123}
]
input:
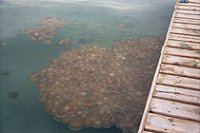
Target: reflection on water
[{"x": 102, "y": 83}]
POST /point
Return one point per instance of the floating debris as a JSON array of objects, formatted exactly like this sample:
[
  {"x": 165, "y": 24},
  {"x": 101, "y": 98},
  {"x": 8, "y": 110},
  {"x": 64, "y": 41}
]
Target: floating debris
[
  {"x": 13, "y": 95},
  {"x": 98, "y": 87},
  {"x": 46, "y": 29}
]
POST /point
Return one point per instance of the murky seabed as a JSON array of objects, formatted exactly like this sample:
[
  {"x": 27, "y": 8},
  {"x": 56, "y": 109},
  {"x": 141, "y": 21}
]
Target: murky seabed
[{"x": 87, "y": 22}]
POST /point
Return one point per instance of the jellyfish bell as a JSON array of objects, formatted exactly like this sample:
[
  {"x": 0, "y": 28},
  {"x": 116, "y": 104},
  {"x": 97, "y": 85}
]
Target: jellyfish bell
[
  {"x": 97, "y": 124},
  {"x": 60, "y": 114},
  {"x": 83, "y": 93},
  {"x": 45, "y": 29},
  {"x": 13, "y": 95},
  {"x": 75, "y": 124},
  {"x": 33, "y": 38}
]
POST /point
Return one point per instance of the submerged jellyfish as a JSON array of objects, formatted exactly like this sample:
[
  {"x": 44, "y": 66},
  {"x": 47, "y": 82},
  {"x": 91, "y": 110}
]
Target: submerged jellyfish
[
  {"x": 4, "y": 72},
  {"x": 13, "y": 95},
  {"x": 98, "y": 87},
  {"x": 45, "y": 29},
  {"x": 65, "y": 42}
]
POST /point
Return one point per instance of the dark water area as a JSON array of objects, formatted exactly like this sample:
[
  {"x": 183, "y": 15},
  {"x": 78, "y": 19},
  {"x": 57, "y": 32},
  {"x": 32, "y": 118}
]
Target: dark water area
[{"x": 104, "y": 24}]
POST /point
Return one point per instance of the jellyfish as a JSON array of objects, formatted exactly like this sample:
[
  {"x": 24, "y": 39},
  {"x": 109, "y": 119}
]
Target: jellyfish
[
  {"x": 13, "y": 95},
  {"x": 99, "y": 87}
]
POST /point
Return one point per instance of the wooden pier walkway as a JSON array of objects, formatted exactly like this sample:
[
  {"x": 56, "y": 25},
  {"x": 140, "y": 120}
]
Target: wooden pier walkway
[{"x": 173, "y": 105}]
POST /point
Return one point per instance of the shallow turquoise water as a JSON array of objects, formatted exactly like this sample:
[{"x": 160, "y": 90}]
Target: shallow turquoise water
[{"x": 88, "y": 22}]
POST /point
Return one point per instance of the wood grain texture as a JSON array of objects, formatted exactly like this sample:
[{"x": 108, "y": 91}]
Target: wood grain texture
[
  {"x": 179, "y": 37},
  {"x": 183, "y": 45},
  {"x": 165, "y": 124},
  {"x": 180, "y": 71},
  {"x": 179, "y": 81},
  {"x": 188, "y": 12},
  {"x": 189, "y": 4},
  {"x": 195, "y": 1},
  {"x": 186, "y": 26},
  {"x": 190, "y": 32},
  {"x": 188, "y": 16},
  {"x": 182, "y": 52},
  {"x": 187, "y": 21},
  {"x": 192, "y": 8},
  {"x": 147, "y": 132},
  {"x": 182, "y": 61},
  {"x": 175, "y": 109},
  {"x": 177, "y": 94}
]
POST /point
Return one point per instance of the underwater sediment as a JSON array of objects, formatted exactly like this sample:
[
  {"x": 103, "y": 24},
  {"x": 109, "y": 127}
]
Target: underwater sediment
[{"x": 98, "y": 87}]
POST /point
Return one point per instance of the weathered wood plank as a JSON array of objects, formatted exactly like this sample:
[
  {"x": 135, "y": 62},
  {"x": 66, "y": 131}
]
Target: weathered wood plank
[
  {"x": 177, "y": 94},
  {"x": 147, "y": 132},
  {"x": 180, "y": 15},
  {"x": 193, "y": 8},
  {"x": 183, "y": 45},
  {"x": 175, "y": 109},
  {"x": 191, "y": 32},
  {"x": 182, "y": 52},
  {"x": 186, "y": 26},
  {"x": 188, "y": 12},
  {"x": 187, "y": 38},
  {"x": 180, "y": 71},
  {"x": 182, "y": 61},
  {"x": 195, "y": 1},
  {"x": 189, "y": 4},
  {"x": 175, "y": 90},
  {"x": 187, "y": 21},
  {"x": 179, "y": 81},
  {"x": 165, "y": 124}
]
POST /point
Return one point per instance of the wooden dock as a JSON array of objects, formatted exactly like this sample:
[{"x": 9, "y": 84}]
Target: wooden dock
[{"x": 173, "y": 105}]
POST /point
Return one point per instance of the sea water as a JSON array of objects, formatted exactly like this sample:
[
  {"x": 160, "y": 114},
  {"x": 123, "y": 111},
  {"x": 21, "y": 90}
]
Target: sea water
[{"x": 87, "y": 22}]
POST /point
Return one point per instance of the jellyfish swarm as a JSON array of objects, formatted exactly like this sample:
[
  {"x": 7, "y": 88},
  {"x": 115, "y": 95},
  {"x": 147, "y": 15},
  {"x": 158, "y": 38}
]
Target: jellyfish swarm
[
  {"x": 98, "y": 87},
  {"x": 46, "y": 29}
]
